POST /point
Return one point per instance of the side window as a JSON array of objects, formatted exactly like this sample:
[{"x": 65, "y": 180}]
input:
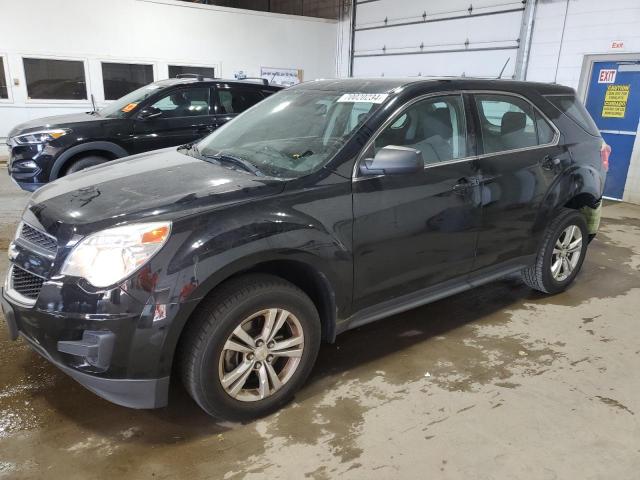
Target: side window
[
  {"x": 191, "y": 102},
  {"x": 435, "y": 126},
  {"x": 237, "y": 100},
  {"x": 510, "y": 123}
]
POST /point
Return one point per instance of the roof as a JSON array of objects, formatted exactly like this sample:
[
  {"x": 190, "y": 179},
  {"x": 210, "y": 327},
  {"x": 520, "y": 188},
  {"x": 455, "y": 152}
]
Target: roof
[
  {"x": 189, "y": 80},
  {"x": 388, "y": 85}
]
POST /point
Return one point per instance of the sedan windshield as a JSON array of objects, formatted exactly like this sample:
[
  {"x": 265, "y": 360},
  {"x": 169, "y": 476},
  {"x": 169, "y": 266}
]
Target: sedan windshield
[
  {"x": 121, "y": 107},
  {"x": 291, "y": 133}
]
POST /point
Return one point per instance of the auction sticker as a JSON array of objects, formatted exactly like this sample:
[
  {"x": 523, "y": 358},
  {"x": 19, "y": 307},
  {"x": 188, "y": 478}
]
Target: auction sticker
[{"x": 363, "y": 98}]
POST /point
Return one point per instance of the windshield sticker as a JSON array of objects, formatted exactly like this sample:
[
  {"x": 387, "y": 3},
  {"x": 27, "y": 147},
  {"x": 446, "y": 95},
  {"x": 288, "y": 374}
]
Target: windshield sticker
[
  {"x": 128, "y": 107},
  {"x": 363, "y": 98}
]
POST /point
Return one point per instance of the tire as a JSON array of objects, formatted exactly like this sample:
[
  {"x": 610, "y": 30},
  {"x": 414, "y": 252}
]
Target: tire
[
  {"x": 539, "y": 276},
  {"x": 205, "y": 359},
  {"x": 85, "y": 162}
]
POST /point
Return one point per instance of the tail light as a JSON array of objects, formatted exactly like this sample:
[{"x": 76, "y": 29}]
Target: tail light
[{"x": 605, "y": 153}]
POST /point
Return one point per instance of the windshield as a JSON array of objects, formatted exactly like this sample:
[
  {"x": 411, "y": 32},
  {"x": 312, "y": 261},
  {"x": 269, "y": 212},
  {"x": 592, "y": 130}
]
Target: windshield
[
  {"x": 119, "y": 108},
  {"x": 291, "y": 133}
]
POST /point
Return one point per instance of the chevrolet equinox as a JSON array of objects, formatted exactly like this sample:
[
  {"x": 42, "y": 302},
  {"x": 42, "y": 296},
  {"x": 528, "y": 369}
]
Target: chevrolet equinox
[{"x": 324, "y": 207}]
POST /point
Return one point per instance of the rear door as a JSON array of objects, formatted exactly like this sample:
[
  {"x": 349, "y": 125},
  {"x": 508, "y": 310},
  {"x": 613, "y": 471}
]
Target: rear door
[
  {"x": 231, "y": 100},
  {"x": 178, "y": 117},
  {"x": 519, "y": 157}
]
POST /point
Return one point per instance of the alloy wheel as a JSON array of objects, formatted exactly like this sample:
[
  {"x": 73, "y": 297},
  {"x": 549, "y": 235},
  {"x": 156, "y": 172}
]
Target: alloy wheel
[
  {"x": 566, "y": 253},
  {"x": 261, "y": 355}
]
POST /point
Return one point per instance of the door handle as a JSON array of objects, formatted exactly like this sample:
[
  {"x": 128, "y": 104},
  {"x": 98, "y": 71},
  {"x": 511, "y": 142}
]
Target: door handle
[
  {"x": 465, "y": 184},
  {"x": 550, "y": 163}
]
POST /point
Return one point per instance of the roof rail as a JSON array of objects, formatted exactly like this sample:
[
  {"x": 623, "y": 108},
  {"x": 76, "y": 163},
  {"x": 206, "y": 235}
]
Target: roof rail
[
  {"x": 263, "y": 80},
  {"x": 190, "y": 75}
]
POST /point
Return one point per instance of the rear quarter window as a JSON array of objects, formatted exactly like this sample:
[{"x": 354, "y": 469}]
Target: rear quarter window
[{"x": 572, "y": 108}]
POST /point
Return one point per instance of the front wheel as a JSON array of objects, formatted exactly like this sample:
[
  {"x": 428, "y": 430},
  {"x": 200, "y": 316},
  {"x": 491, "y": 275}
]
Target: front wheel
[
  {"x": 250, "y": 347},
  {"x": 561, "y": 254}
]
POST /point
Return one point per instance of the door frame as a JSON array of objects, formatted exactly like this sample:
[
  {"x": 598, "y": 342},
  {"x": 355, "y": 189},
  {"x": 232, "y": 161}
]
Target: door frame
[{"x": 583, "y": 89}]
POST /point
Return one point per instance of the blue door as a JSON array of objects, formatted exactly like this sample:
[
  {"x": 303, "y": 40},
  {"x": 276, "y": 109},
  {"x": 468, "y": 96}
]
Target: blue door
[{"x": 613, "y": 100}]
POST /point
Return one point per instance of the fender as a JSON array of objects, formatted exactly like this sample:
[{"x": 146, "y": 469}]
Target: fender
[
  {"x": 110, "y": 147},
  {"x": 575, "y": 180}
]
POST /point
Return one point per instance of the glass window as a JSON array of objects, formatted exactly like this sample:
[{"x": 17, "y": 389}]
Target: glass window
[
  {"x": 435, "y": 126},
  {"x": 237, "y": 100},
  {"x": 175, "y": 70},
  {"x": 4, "y": 89},
  {"x": 191, "y": 102},
  {"x": 510, "y": 123},
  {"x": 291, "y": 133},
  {"x": 55, "y": 79},
  {"x": 127, "y": 104},
  {"x": 572, "y": 108},
  {"x": 122, "y": 78}
]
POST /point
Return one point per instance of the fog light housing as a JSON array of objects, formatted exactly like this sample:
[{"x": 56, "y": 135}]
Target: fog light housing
[{"x": 26, "y": 165}]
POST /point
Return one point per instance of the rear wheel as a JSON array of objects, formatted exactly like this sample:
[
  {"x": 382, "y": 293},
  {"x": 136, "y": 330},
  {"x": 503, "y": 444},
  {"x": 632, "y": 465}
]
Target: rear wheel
[
  {"x": 561, "y": 254},
  {"x": 86, "y": 162},
  {"x": 250, "y": 347}
]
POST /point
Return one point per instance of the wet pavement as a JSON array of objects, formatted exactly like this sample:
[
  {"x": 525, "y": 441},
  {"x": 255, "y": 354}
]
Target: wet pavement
[{"x": 498, "y": 382}]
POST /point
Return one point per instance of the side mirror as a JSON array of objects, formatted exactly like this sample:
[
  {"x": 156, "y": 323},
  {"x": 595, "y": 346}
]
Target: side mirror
[
  {"x": 393, "y": 160},
  {"x": 149, "y": 112}
]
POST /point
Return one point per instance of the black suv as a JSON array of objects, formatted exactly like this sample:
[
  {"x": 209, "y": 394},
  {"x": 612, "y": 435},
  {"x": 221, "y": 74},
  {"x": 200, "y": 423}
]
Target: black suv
[
  {"x": 327, "y": 206},
  {"x": 162, "y": 114}
]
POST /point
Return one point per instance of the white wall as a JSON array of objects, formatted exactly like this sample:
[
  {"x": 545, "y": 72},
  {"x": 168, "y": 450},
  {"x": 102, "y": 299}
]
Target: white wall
[
  {"x": 160, "y": 32},
  {"x": 591, "y": 26}
]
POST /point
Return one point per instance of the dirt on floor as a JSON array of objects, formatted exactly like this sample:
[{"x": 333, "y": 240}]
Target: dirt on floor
[{"x": 499, "y": 382}]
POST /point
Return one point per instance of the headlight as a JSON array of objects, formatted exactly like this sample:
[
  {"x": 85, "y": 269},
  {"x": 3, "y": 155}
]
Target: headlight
[
  {"x": 109, "y": 256},
  {"x": 43, "y": 136}
]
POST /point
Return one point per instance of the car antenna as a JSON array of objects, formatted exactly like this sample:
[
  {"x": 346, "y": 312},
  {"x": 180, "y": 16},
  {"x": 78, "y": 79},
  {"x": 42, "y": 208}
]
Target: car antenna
[
  {"x": 93, "y": 103},
  {"x": 503, "y": 67}
]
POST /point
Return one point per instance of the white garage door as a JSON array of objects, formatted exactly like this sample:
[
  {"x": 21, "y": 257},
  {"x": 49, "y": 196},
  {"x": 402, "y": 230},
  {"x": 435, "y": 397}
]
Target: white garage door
[{"x": 436, "y": 37}]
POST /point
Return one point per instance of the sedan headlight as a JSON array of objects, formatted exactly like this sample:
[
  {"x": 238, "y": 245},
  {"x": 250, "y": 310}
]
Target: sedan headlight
[
  {"x": 42, "y": 136},
  {"x": 108, "y": 257}
]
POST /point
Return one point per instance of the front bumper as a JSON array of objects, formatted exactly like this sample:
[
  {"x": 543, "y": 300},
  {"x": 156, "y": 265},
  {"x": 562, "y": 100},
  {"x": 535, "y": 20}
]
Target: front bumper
[
  {"x": 50, "y": 334},
  {"x": 31, "y": 178}
]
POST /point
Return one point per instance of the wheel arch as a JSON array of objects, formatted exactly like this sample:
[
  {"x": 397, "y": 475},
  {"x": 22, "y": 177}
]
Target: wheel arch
[{"x": 110, "y": 150}]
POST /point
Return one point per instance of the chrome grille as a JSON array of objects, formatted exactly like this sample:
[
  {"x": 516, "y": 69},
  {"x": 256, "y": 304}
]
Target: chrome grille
[
  {"x": 26, "y": 284},
  {"x": 36, "y": 237}
]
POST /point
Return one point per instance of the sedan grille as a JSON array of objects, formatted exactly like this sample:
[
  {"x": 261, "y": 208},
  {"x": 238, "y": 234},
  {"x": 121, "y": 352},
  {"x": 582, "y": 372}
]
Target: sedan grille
[
  {"x": 26, "y": 284},
  {"x": 38, "y": 238}
]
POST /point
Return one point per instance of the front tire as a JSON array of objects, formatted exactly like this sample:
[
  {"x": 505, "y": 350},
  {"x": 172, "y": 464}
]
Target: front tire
[
  {"x": 85, "y": 162},
  {"x": 250, "y": 347},
  {"x": 561, "y": 254}
]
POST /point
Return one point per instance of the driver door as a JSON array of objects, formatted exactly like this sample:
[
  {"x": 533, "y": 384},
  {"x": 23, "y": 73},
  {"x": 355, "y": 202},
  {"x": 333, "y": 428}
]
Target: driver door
[
  {"x": 179, "y": 117},
  {"x": 415, "y": 231}
]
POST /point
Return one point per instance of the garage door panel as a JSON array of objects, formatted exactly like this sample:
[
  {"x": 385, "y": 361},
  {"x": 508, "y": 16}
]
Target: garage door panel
[
  {"x": 473, "y": 64},
  {"x": 374, "y": 13},
  {"x": 480, "y": 29}
]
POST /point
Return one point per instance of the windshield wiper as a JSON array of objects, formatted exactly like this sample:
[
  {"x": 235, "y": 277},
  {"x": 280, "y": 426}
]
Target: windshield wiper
[{"x": 237, "y": 161}]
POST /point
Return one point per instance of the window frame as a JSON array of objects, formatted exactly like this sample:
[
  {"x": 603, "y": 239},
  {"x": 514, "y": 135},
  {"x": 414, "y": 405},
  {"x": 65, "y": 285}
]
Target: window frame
[
  {"x": 54, "y": 101},
  {"x": 472, "y": 125},
  {"x": 216, "y": 67},
  {"x": 399, "y": 112},
  {"x": 534, "y": 108},
  {"x": 154, "y": 71},
  {"x": 165, "y": 93},
  {"x": 7, "y": 75},
  {"x": 230, "y": 86}
]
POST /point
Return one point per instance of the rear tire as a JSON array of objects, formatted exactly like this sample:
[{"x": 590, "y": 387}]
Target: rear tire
[
  {"x": 85, "y": 162},
  {"x": 561, "y": 254},
  {"x": 231, "y": 364}
]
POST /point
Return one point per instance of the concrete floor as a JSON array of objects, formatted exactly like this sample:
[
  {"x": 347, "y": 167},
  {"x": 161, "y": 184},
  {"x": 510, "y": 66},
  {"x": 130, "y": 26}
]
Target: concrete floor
[{"x": 500, "y": 382}]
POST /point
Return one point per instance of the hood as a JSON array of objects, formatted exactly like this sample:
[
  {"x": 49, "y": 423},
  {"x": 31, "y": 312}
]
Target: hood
[
  {"x": 164, "y": 184},
  {"x": 55, "y": 121}
]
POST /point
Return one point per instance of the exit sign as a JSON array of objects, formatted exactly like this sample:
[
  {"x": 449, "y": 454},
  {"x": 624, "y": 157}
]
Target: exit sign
[
  {"x": 617, "y": 45},
  {"x": 607, "y": 75}
]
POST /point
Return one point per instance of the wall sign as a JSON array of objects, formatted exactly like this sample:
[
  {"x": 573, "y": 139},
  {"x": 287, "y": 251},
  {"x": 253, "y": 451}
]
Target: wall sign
[
  {"x": 617, "y": 45},
  {"x": 615, "y": 101},
  {"x": 281, "y": 76},
  {"x": 607, "y": 76}
]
